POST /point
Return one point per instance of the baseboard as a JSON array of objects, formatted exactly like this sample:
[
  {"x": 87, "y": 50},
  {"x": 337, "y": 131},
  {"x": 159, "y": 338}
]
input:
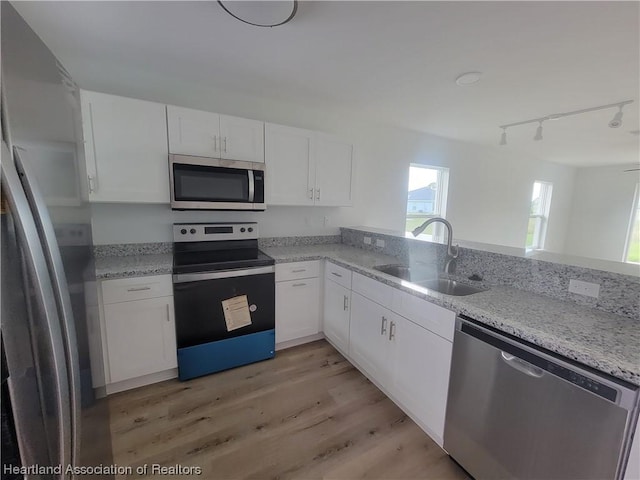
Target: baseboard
[
  {"x": 299, "y": 341},
  {"x": 136, "y": 382}
]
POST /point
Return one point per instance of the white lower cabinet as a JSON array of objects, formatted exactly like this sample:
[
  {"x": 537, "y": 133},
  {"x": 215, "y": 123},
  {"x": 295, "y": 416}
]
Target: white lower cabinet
[
  {"x": 141, "y": 337},
  {"x": 404, "y": 356},
  {"x": 297, "y": 301},
  {"x": 138, "y": 325},
  {"x": 337, "y": 307},
  {"x": 633, "y": 464}
]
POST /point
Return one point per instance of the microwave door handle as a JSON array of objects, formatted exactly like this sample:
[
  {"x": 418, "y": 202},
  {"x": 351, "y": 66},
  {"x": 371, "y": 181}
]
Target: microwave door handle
[{"x": 252, "y": 187}]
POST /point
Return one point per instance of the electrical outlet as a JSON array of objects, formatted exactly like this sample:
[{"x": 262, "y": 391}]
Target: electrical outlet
[
  {"x": 367, "y": 240},
  {"x": 584, "y": 288},
  {"x": 380, "y": 243}
]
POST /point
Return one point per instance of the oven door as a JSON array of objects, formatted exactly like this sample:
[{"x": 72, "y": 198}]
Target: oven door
[
  {"x": 199, "y": 300},
  {"x": 213, "y": 184}
]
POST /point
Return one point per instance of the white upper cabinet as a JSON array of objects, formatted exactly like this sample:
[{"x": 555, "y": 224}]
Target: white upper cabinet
[
  {"x": 206, "y": 134},
  {"x": 125, "y": 149},
  {"x": 289, "y": 165},
  {"x": 307, "y": 168},
  {"x": 193, "y": 132},
  {"x": 334, "y": 171}
]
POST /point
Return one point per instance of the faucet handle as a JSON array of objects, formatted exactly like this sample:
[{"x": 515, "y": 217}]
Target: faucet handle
[{"x": 454, "y": 251}]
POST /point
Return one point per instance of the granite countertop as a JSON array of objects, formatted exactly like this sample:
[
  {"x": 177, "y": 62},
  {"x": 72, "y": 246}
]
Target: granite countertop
[
  {"x": 607, "y": 342},
  {"x": 115, "y": 266}
]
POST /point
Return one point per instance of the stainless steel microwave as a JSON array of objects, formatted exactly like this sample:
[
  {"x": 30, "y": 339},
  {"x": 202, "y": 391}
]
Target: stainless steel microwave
[{"x": 202, "y": 183}]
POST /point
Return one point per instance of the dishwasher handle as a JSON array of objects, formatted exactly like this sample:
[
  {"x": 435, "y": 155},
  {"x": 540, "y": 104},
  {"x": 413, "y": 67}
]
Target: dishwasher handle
[{"x": 522, "y": 366}]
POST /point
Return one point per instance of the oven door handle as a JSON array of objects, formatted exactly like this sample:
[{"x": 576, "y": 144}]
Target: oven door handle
[{"x": 245, "y": 272}]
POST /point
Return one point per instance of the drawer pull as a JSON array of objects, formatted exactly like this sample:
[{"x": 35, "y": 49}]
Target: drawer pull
[
  {"x": 138, "y": 289},
  {"x": 392, "y": 330},
  {"x": 299, "y": 270},
  {"x": 383, "y": 326},
  {"x": 336, "y": 274},
  {"x": 346, "y": 303},
  {"x": 298, "y": 284}
]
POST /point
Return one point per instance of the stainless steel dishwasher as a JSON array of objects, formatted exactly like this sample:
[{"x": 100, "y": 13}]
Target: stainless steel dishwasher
[{"x": 517, "y": 412}]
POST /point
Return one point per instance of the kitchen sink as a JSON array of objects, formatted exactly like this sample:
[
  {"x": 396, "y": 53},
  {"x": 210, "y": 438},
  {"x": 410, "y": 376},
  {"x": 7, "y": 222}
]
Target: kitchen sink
[
  {"x": 441, "y": 285},
  {"x": 449, "y": 287}
]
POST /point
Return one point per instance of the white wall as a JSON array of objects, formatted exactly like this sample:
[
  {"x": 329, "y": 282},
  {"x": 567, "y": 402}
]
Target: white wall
[
  {"x": 601, "y": 212},
  {"x": 489, "y": 191}
]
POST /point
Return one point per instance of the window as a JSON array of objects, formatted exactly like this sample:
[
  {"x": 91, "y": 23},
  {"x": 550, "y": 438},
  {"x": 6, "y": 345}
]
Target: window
[
  {"x": 538, "y": 215},
  {"x": 427, "y": 198},
  {"x": 632, "y": 250}
]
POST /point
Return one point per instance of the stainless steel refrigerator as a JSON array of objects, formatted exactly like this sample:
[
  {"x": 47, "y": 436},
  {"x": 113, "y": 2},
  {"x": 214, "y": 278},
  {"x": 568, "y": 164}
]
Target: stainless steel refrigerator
[{"x": 52, "y": 423}]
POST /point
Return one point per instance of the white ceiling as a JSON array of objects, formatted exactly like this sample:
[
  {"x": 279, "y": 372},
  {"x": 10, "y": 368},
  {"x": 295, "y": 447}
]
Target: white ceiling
[{"x": 391, "y": 61}]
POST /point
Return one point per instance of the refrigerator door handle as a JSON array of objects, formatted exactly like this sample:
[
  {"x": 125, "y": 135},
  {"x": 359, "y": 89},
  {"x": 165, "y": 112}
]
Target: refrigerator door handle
[
  {"x": 44, "y": 292},
  {"x": 61, "y": 291}
]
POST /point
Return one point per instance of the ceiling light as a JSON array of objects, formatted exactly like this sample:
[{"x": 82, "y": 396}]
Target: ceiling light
[
  {"x": 469, "y": 78},
  {"x": 538, "y": 135},
  {"x": 261, "y": 13},
  {"x": 616, "y": 121},
  {"x": 503, "y": 137}
]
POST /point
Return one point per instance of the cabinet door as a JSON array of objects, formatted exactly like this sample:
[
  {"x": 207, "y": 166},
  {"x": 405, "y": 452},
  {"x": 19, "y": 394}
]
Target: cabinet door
[
  {"x": 334, "y": 171},
  {"x": 420, "y": 361},
  {"x": 241, "y": 139},
  {"x": 141, "y": 337},
  {"x": 125, "y": 149},
  {"x": 297, "y": 309},
  {"x": 289, "y": 163},
  {"x": 337, "y": 301},
  {"x": 633, "y": 465},
  {"x": 193, "y": 132},
  {"x": 368, "y": 336}
]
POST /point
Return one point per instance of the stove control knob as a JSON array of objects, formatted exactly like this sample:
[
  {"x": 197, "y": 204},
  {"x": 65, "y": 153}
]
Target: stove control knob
[
  {"x": 183, "y": 231},
  {"x": 250, "y": 229},
  {"x": 192, "y": 231},
  {"x": 242, "y": 229}
]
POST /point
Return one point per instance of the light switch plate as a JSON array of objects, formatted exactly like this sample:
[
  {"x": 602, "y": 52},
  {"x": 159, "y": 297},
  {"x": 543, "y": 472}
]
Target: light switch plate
[
  {"x": 367, "y": 240},
  {"x": 379, "y": 242},
  {"x": 584, "y": 288}
]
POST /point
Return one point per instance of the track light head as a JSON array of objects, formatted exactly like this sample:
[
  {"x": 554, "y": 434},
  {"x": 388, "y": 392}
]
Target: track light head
[
  {"x": 616, "y": 121},
  {"x": 538, "y": 135},
  {"x": 503, "y": 137}
]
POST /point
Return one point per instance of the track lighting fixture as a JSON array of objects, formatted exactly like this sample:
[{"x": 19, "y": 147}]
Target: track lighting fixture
[
  {"x": 615, "y": 122},
  {"x": 538, "y": 135},
  {"x": 503, "y": 137}
]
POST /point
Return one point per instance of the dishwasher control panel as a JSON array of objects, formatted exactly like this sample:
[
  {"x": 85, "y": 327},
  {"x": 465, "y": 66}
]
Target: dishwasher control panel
[{"x": 583, "y": 381}]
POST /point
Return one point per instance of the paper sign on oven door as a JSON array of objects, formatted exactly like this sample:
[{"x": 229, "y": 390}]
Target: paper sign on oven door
[{"x": 236, "y": 312}]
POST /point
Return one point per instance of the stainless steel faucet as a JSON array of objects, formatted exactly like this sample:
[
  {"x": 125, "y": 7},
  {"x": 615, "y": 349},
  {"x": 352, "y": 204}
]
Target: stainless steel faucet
[{"x": 452, "y": 252}]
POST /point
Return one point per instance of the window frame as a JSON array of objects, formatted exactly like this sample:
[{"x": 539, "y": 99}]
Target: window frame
[
  {"x": 632, "y": 221},
  {"x": 542, "y": 217},
  {"x": 440, "y": 202}
]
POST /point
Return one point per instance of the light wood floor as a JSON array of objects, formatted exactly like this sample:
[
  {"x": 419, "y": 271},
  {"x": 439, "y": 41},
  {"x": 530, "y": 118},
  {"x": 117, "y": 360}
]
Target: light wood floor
[{"x": 307, "y": 414}]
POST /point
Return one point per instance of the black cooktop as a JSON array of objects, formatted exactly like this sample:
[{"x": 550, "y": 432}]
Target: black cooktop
[{"x": 196, "y": 257}]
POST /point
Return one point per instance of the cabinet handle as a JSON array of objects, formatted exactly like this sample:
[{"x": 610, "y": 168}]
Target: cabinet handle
[
  {"x": 383, "y": 326},
  {"x": 392, "y": 330},
  {"x": 346, "y": 303},
  {"x": 299, "y": 270},
  {"x": 336, "y": 274},
  {"x": 317, "y": 194},
  {"x": 138, "y": 289},
  {"x": 225, "y": 144},
  {"x": 298, "y": 284},
  {"x": 311, "y": 193},
  {"x": 91, "y": 184},
  {"x": 168, "y": 314}
]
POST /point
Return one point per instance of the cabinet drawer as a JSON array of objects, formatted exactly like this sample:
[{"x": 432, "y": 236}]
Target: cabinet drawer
[
  {"x": 340, "y": 275},
  {"x": 372, "y": 289},
  {"x": 426, "y": 314},
  {"x": 136, "y": 288},
  {"x": 297, "y": 270}
]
